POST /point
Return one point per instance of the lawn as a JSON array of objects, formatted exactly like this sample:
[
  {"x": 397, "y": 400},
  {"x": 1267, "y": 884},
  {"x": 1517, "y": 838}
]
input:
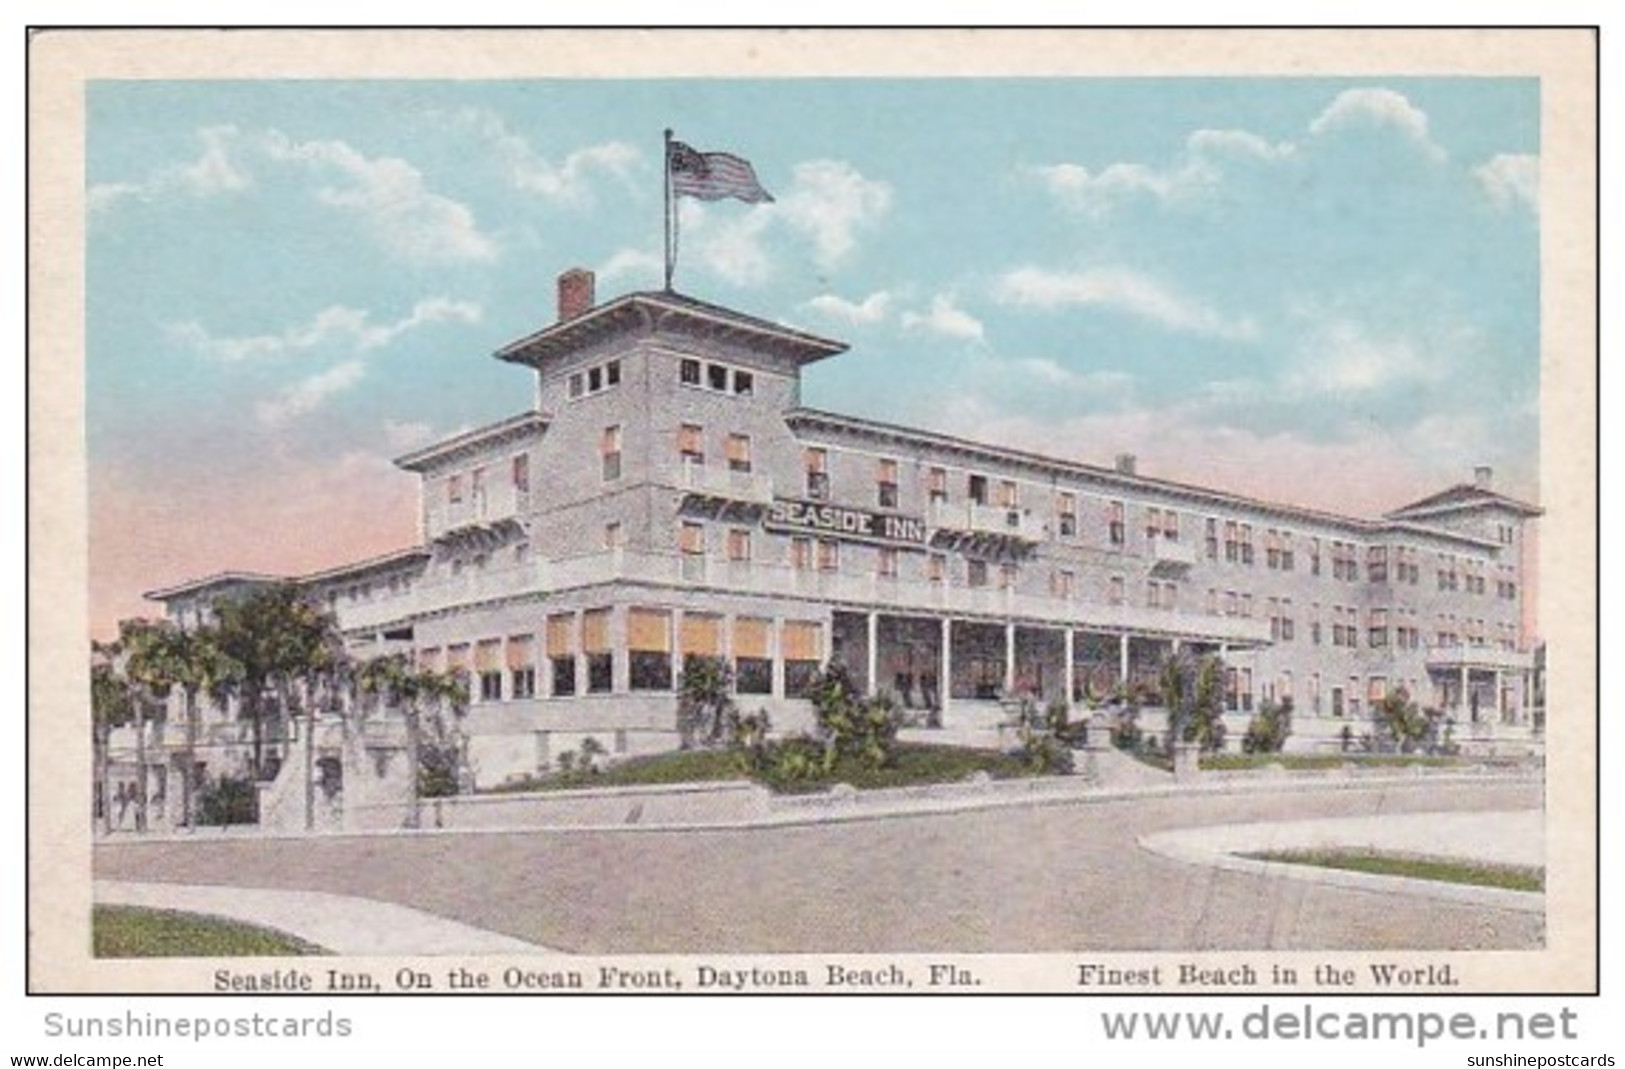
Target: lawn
[
  {"x": 1223, "y": 762},
  {"x": 912, "y": 764},
  {"x": 1479, "y": 874},
  {"x": 134, "y": 932}
]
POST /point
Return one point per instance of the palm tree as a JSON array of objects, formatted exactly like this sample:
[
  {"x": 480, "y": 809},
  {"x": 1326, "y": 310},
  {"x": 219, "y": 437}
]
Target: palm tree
[
  {"x": 393, "y": 680},
  {"x": 112, "y": 705},
  {"x": 199, "y": 666},
  {"x": 277, "y": 638},
  {"x": 153, "y": 663}
]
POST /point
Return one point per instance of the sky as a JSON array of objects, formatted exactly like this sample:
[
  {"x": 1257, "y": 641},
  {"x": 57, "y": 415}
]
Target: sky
[{"x": 1318, "y": 291}]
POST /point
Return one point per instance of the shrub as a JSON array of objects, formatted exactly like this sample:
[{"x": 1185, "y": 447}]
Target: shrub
[
  {"x": 1269, "y": 728},
  {"x": 705, "y": 701},
  {"x": 438, "y": 764},
  {"x": 790, "y": 762},
  {"x": 851, "y": 726},
  {"x": 1126, "y": 733},
  {"x": 228, "y": 800}
]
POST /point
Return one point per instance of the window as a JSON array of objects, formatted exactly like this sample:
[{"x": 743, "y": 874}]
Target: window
[
  {"x": 488, "y": 667},
  {"x": 561, "y": 645},
  {"x": 1153, "y": 524},
  {"x": 976, "y": 489},
  {"x": 1314, "y": 556},
  {"x": 936, "y": 568},
  {"x": 1170, "y": 525},
  {"x": 1212, "y": 539},
  {"x": 1376, "y": 564},
  {"x": 716, "y": 377},
  {"x": 691, "y": 443},
  {"x": 1114, "y": 520},
  {"x": 613, "y": 536},
  {"x": 595, "y": 379},
  {"x": 648, "y": 648},
  {"x": 801, "y": 555},
  {"x": 1272, "y": 549},
  {"x": 691, "y": 539},
  {"x": 886, "y": 483},
  {"x": 688, "y": 372},
  {"x": 1007, "y": 576},
  {"x": 1062, "y": 582},
  {"x": 521, "y": 473},
  {"x": 802, "y": 643},
  {"x": 1232, "y": 542},
  {"x": 1114, "y": 590},
  {"x": 454, "y": 489},
  {"x": 886, "y": 562},
  {"x": 738, "y": 450},
  {"x": 1288, "y": 557},
  {"x": 738, "y": 544},
  {"x": 1009, "y": 495},
  {"x": 976, "y": 573},
  {"x": 753, "y": 669},
  {"x": 522, "y": 682},
  {"x": 1066, "y": 512},
  {"x": 936, "y": 485},
  {"x": 829, "y": 555},
  {"x": 744, "y": 383},
  {"x": 1212, "y": 601},
  {"x": 609, "y": 452},
  {"x": 816, "y": 462},
  {"x": 595, "y": 644},
  {"x": 1246, "y": 543}
]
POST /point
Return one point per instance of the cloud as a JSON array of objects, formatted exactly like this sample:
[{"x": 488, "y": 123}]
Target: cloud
[
  {"x": 1199, "y": 169},
  {"x": 947, "y": 319},
  {"x": 829, "y": 206},
  {"x": 571, "y": 181},
  {"x": 1374, "y": 108},
  {"x": 336, "y": 325},
  {"x": 399, "y": 435},
  {"x": 389, "y": 196},
  {"x": 635, "y": 263},
  {"x": 216, "y": 170},
  {"x": 1094, "y": 383},
  {"x": 309, "y": 394},
  {"x": 1120, "y": 290},
  {"x": 830, "y": 202},
  {"x": 1344, "y": 357},
  {"x": 872, "y": 309},
  {"x": 1510, "y": 180}
]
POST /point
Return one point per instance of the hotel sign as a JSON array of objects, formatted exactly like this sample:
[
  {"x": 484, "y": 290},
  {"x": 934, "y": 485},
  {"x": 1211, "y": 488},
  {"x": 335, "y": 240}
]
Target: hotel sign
[{"x": 837, "y": 521}]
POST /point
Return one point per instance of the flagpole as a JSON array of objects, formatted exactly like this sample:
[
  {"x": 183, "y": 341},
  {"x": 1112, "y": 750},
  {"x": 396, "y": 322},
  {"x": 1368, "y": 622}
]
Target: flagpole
[{"x": 671, "y": 219}]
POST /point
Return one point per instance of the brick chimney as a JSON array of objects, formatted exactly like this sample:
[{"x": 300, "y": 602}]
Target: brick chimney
[
  {"x": 1483, "y": 476},
  {"x": 575, "y": 293},
  {"x": 1126, "y": 463}
]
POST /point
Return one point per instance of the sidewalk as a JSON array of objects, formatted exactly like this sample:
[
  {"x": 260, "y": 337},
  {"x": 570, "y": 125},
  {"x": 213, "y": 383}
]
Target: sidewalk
[
  {"x": 339, "y": 923},
  {"x": 1514, "y": 838}
]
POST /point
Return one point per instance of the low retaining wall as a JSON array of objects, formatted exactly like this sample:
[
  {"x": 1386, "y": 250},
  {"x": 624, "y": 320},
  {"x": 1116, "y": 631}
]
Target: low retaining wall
[{"x": 660, "y": 806}]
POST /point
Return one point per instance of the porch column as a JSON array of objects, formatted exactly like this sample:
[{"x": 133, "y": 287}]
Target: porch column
[
  {"x": 1009, "y": 657},
  {"x": 774, "y": 646},
  {"x": 1122, "y": 658},
  {"x": 945, "y": 670},
  {"x": 1463, "y": 700},
  {"x": 873, "y": 654},
  {"x": 1500, "y": 699},
  {"x": 1071, "y": 671}
]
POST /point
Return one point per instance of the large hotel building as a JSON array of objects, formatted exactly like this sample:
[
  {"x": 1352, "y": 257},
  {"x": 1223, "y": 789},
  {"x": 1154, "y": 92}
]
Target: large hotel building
[{"x": 666, "y": 494}]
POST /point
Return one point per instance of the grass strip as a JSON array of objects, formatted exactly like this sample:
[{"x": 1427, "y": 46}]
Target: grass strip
[
  {"x": 1442, "y": 870},
  {"x": 137, "y": 932}
]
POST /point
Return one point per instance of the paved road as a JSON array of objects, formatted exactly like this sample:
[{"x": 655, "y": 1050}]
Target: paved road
[{"x": 1054, "y": 878}]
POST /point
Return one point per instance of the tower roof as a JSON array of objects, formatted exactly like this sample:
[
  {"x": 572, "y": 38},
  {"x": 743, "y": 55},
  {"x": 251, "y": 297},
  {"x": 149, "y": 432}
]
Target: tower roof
[{"x": 665, "y": 310}]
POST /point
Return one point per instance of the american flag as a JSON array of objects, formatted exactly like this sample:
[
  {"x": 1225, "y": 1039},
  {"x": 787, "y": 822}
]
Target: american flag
[{"x": 713, "y": 176}]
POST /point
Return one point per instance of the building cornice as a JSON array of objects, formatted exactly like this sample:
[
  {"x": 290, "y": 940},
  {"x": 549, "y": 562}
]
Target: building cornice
[
  {"x": 480, "y": 438},
  {"x": 665, "y": 312},
  {"x": 1108, "y": 478}
]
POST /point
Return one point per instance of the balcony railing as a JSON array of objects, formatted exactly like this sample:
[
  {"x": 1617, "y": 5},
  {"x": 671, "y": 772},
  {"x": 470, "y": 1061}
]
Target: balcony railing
[
  {"x": 888, "y": 593},
  {"x": 722, "y": 481},
  {"x": 1482, "y": 657},
  {"x": 986, "y": 519}
]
